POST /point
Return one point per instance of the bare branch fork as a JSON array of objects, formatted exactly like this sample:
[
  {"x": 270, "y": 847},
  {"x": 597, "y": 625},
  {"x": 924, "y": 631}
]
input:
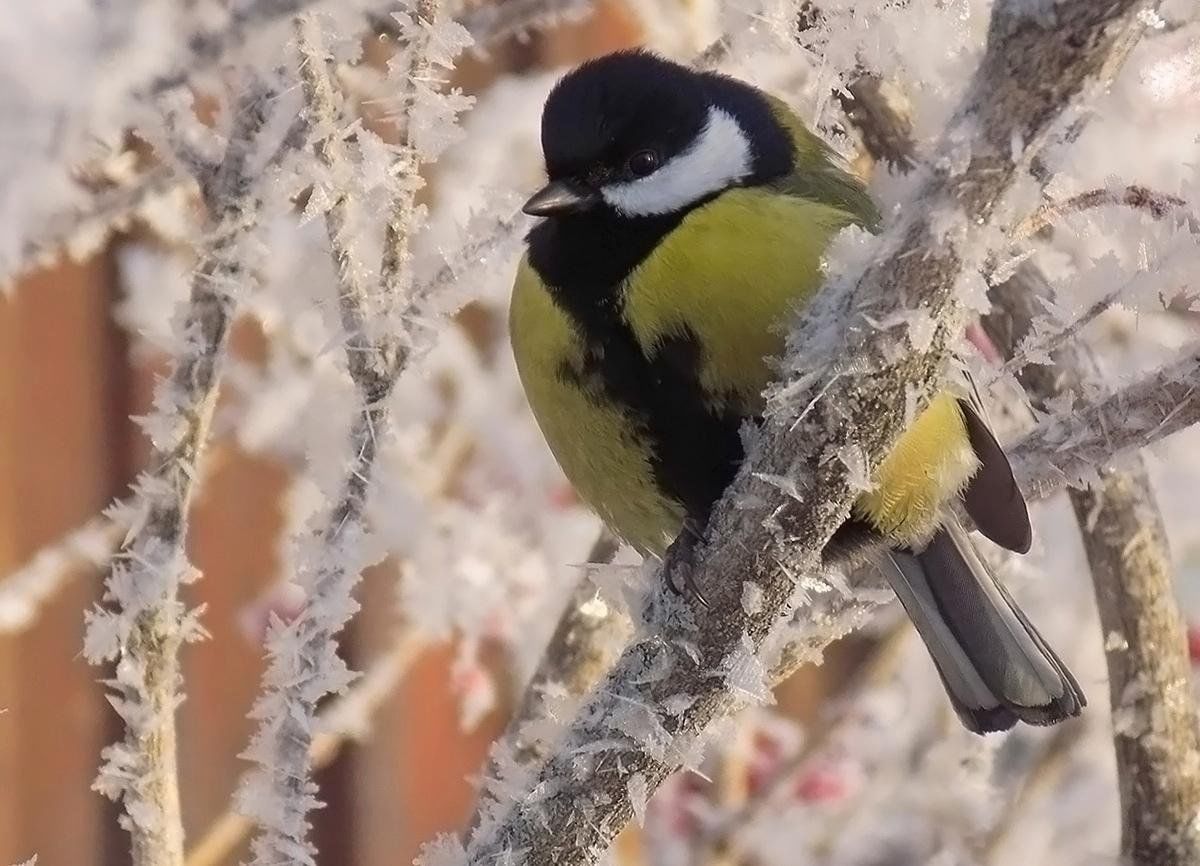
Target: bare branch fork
[
  {"x": 673, "y": 680},
  {"x": 143, "y": 622},
  {"x": 304, "y": 665},
  {"x": 1156, "y": 731}
]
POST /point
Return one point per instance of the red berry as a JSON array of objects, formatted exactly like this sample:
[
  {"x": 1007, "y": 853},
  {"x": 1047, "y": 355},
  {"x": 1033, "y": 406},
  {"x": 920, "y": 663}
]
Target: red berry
[
  {"x": 821, "y": 785},
  {"x": 1193, "y": 639}
]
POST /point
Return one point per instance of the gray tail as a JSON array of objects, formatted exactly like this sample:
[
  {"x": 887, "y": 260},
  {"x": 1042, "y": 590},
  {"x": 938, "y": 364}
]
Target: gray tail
[{"x": 996, "y": 668}]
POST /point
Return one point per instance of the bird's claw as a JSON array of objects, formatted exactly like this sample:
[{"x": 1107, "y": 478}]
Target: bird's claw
[{"x": 680, "y": 564}]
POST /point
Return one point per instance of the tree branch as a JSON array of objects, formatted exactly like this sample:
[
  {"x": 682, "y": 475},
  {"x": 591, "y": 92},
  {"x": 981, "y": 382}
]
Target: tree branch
[
  {"x": 144, "y": 622},
  {"x": 1158, "y": 204},
  {"x": 1066, "y": 451},
  {"x": 345, "y": 719},
  {"x": 1156, "y": 726},
  {"x": 25, "y": 591},
  {"x": 579, "y": 653},
  {"x": 1156, "y": 730},
  {"x": 692, "y": 666},
  {"x": 304, "y": 662}
]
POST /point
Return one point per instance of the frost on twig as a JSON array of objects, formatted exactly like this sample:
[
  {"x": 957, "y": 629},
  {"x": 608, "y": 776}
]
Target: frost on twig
[
  {"x": 25, "y": 591},
  {"x": 1156, "y": 728},
  {"x": 77, "y": 234},
  {"x": 346, "y": 718},
  {"x": 579, "y": 653},
  {"x": 142, "y": 622},
  {"x": 646, "y": 719},
  {"x": 1158, "y": 204},
  {"x": 1066, "y": 450},
  {"x": 304, "y": 664}
]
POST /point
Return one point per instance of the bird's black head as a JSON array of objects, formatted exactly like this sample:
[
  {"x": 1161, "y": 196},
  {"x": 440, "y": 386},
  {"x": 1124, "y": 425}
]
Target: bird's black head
[{"x": 642, "y": 136}]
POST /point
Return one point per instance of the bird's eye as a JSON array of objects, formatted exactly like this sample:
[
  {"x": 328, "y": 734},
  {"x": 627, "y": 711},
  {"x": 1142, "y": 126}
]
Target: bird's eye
[{"x": 642, "y": 163}]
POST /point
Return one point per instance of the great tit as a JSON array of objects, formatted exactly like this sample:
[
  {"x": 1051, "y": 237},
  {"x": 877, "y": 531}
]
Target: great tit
[{"x": 684, "y": 219}]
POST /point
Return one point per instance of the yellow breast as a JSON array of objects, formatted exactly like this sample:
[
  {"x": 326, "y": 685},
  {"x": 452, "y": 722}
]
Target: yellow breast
[
  {"x": 593, "y": 442},
  {"x": 730, "y": 273}
]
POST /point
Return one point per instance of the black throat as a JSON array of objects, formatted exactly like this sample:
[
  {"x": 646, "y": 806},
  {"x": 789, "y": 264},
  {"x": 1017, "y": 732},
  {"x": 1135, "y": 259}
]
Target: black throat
[{"x": 585, "y": 260}]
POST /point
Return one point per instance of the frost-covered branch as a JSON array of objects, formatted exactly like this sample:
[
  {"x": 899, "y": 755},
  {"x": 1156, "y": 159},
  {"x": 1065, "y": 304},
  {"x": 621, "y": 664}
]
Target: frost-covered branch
[
  {"x": 304, "y": 662},
  {"x": 1158, "y": 204},
  {"x": 347, "y": 718},
  {"x": 1156, "y": 729},
  {"x": 1066, "y": 450},
  {"x": 78, "y": 234},
  {"x": 826, "y": 428},
  {"x": 143, "y": 622},
  {"x": 579, "y": 653},
  {"x": 25, "y": 591}
]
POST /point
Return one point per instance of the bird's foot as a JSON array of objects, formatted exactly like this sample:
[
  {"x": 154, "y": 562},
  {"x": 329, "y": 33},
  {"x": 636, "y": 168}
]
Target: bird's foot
[{"x": 679, "y": 564}]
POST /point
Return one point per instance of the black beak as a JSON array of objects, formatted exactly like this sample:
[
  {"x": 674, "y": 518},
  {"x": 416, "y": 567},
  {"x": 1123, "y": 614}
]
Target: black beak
[{"x": 558, "y": 197}]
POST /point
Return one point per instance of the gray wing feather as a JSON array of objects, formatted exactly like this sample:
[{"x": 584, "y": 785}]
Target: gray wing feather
[
  {"x": 992, "y": 498},
  {"x": 997, "y": 669}
]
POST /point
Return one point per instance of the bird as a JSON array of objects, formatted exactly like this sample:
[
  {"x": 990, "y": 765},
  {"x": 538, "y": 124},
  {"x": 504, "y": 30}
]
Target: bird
[{"x": 684, "y": 218}]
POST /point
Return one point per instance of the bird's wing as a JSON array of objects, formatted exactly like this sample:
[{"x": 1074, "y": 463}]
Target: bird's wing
[
  {"x": 992, "y": 497},
  {"x": 819, "y": 174}
]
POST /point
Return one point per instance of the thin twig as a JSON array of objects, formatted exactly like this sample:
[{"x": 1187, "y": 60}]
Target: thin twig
[
  {"x": 1157, "y": 204},
  {"x": 1065, "y": 451},
  {"x": 143, "y": 622},
  {"x": 25, "y": 591},
  {"x": 640, "y": 724},
  {"x": 345, "y": 719},
  {"x": 396, "y": 268},
  {"x": 304, "y": 663}
]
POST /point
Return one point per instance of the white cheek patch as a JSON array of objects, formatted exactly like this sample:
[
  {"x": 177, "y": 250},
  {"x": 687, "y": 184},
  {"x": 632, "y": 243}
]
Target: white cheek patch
[{"x": 719, "y": 157}]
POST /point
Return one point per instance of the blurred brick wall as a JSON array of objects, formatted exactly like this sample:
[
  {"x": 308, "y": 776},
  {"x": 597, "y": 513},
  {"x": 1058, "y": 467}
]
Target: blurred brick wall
[{"x": 67, "y": 449}]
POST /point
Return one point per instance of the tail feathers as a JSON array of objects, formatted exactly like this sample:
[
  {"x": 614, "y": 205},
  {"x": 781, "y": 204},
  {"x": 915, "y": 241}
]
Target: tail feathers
[{"x": 996, "y": 667}]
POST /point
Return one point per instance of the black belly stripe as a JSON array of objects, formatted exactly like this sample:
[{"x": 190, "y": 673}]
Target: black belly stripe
[{"x": 695, "y": 450}]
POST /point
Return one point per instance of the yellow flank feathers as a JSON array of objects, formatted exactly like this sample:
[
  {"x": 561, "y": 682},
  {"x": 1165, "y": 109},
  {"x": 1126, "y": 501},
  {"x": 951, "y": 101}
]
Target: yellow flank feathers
[
  {"x": 930, "y": 464},
  {"x": 730, "y": 273},
  {"x": 593, "y": 443}
]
